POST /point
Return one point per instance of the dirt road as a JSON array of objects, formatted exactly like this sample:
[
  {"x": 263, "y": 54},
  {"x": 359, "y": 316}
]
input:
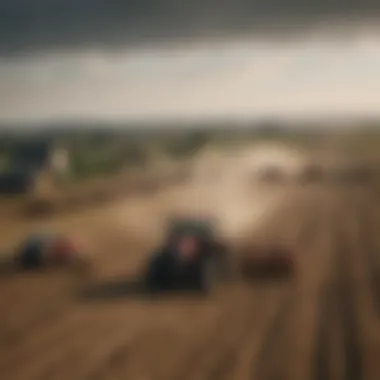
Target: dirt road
[{"x": 323, "y": 325}]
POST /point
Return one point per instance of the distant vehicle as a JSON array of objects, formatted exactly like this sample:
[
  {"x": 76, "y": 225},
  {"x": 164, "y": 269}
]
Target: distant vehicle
[
  {"x": 311, "y": 173},
  {"x": 50, "y": 250},
  {"x": 190, "y": 259},
  {"x": 277, "y": 261},
  {"x": 271, "y": 174},
  {"x": 352, "y": 174}
]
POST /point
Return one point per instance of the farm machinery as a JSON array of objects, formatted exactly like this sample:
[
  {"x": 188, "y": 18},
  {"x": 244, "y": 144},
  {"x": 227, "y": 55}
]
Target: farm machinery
[
  {"x": 193, "y": 258},
  {"x": 49, "y": 250}
]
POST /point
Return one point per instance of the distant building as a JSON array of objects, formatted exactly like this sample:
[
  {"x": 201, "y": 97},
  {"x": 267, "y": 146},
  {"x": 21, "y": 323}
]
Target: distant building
[{"x": 36, "y": 166}]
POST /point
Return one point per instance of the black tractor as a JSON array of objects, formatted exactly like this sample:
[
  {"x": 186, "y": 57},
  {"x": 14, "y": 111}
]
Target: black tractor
[{"x": 192, "y": 259}]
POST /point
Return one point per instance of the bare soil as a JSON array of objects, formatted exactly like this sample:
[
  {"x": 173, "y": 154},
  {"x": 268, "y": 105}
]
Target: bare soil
[{"x": 322, "y": 325}]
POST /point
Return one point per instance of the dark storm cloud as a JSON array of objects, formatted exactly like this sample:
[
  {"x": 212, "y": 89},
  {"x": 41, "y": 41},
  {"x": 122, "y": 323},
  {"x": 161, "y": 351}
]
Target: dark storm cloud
[{"x": 44, "y": 24}]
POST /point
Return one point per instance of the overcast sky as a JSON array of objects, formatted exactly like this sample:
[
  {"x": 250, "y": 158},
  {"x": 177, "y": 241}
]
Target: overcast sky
[{"x": 98, "y": 59}]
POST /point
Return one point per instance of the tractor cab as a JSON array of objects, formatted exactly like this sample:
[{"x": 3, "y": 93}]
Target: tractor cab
[{"x": 189, "y": 238}]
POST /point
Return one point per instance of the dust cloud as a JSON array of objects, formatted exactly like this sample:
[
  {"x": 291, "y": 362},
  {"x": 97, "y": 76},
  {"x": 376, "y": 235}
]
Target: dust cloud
[{"x": 224, "y": 185}]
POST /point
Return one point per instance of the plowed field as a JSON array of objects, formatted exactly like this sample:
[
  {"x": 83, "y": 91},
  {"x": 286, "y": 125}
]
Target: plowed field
[{"x": 322, "y": 325}]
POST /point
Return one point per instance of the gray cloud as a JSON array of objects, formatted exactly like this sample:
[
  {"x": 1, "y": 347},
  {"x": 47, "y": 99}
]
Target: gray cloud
[
  {"x": 33, "y": 25},
  {"x": 314, "y": 78}
]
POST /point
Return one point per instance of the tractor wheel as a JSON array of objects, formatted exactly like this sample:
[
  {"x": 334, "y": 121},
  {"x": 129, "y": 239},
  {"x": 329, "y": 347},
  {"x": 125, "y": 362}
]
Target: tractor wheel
[{"x": 206, "y": 277}]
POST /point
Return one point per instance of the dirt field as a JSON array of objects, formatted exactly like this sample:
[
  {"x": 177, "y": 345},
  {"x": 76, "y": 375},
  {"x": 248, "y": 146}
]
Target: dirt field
[{"x": 323, "y": 325}]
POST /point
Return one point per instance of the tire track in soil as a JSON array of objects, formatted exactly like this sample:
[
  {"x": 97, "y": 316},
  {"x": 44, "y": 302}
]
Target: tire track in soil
[
  {"x": 46, "y": 349},
  {"x": 261, "y": 331},
  {"x": 213, "y": 358},
  {"x": 260, "y": 363},
  {"x": 346, "y": 243},
  {"x": 273, "y": 360},
  {"x": 79, "y": 349},
  {"x": 322, "y": 363},
  {"x": 151, "y": 341},
  {"x": 369, "y": 213},
  {"x": 139, "y": 358},
  {"x": 99, "y": 361},
  {"x": 337, "y": 302},
  {"x": 117, "y": 357},
  {"x": 95, "y": 350},
  {"x": 323, "y": 350},
  {"x": 296, "y": 346}
]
